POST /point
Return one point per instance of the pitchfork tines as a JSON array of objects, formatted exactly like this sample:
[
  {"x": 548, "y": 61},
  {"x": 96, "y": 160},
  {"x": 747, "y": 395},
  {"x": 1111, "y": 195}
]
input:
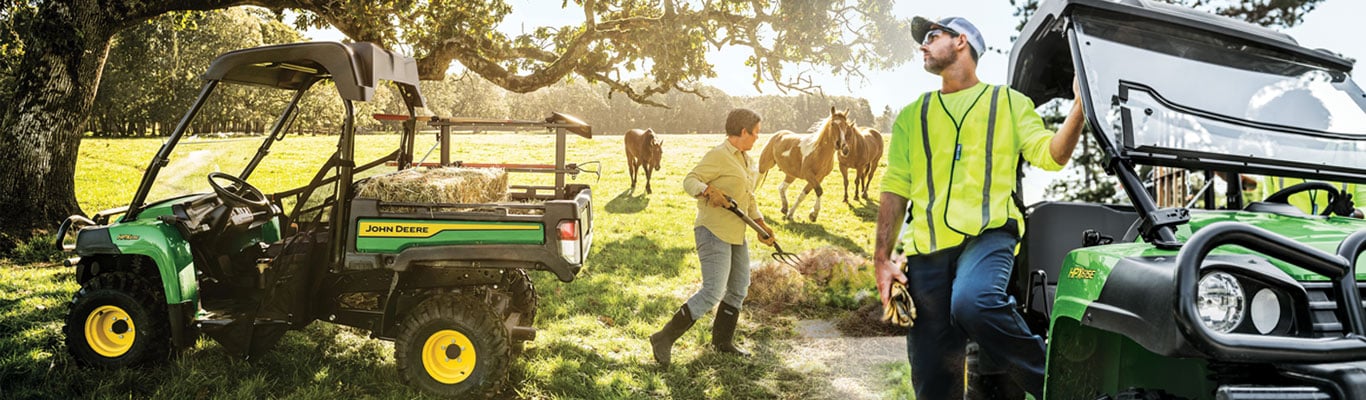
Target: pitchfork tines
[{"x": 778, "y": 254}]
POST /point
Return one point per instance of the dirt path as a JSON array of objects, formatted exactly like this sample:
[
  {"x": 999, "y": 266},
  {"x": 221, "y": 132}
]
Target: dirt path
[{"x": 851, "y": 364}]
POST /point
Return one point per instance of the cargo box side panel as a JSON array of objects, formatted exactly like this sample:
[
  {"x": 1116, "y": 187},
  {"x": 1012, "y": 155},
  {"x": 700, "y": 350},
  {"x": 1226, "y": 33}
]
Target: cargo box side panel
[{"x": 393, "y": 235}]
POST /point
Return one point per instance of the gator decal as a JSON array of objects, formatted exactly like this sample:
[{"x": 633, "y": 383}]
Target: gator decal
[{"x": 1081, "y": 273}]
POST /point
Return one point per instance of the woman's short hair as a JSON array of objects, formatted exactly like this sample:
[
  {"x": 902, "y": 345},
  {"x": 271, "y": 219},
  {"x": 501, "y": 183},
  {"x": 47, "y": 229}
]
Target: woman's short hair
[{"x": 741, "y": 119}]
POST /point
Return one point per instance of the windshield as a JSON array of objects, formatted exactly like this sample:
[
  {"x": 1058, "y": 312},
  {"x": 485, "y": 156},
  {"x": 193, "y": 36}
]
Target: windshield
[
  {"x": 295, "y": 157},
  {"x": 1190, "y": 93}
]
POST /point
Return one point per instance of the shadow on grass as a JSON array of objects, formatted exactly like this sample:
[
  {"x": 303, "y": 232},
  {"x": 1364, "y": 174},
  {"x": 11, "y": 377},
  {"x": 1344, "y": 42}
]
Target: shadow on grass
[
  {"x": 865, "y": 210},
  {"x": 627, "y": 203},
  {"x": 816, "y": 230},
  {"x": 638, "y": 256}
]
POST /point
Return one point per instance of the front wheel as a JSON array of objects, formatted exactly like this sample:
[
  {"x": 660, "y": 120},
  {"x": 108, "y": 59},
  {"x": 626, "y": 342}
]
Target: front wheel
[
  {"x": 117, "y": 320},
  {"x": 453, "y": 346}
]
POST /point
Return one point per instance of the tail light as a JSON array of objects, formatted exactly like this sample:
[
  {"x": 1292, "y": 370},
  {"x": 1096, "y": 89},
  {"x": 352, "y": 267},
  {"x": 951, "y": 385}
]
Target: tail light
[{"x": 569, "y": 241}]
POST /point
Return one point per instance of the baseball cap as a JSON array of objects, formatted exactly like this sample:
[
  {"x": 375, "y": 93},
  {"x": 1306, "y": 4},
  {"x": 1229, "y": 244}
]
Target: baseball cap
[{"x": 920, "y": 26}]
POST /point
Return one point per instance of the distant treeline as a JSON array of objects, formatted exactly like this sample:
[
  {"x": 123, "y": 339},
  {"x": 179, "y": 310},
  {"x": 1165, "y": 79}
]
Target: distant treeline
[{"x": 152, "y": 78}]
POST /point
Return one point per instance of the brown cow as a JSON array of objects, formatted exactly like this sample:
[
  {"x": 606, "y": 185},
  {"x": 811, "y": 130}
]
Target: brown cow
[
  {"x": 862, "y": 151},
  {"x": 643, "y": 149},
  {"x": 808, "y": 156}
]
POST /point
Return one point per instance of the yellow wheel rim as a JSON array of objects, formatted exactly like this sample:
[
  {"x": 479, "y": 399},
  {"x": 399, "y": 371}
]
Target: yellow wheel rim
[
  {"x": 449, "y": 357},
  {"x": 109, "y": 331}
]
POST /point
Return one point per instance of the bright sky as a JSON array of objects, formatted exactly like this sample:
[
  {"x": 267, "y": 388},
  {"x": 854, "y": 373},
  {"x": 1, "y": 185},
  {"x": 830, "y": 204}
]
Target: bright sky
[{"x": 1322, "y": 28}]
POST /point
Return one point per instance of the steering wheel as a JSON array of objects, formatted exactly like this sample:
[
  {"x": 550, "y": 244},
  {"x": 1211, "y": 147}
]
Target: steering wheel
[
  {"x": 241, "y": 193},
  {"x": 1338, "y": 202}
]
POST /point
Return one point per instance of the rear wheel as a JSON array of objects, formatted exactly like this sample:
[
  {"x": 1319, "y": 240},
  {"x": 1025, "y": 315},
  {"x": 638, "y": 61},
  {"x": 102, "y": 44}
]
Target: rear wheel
[
  {"x": 453, "y": 346},
  {"x": 117, "y": 320}
]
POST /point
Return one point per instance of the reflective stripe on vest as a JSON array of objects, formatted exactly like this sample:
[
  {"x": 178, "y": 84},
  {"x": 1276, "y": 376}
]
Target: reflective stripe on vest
[
  {"x": 929, "y": 166},
  {"x": 986, "y": 185}
]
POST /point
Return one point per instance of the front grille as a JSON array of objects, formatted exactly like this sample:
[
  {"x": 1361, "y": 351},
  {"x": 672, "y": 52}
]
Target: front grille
[{"x": 1323, "y": 308}]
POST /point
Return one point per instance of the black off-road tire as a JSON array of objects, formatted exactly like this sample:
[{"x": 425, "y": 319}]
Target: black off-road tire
[
  {"x": 107, "y": 309},
  {"x": 524, "y": 301},
  {"x": 444, "y": 316}
]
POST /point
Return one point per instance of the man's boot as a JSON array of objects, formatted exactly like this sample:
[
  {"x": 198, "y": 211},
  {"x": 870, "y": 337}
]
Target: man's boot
[
  {"x": 662, "y": 342},
  {"x": 723, "y": 330}
]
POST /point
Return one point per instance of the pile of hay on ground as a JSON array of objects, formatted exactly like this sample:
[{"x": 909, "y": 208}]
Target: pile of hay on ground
[
  {"x": 438, "y": 185},
  {"x": 775, "y": 286},
  {"x": 828, "y": 276},
  {"x": 828, "y": 265}
]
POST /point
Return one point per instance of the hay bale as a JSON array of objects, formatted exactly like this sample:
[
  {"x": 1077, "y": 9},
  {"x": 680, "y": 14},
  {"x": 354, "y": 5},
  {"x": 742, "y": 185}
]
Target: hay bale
[
  {"x": 438, "y": 185},
  {"x": 776, "y": 286}
]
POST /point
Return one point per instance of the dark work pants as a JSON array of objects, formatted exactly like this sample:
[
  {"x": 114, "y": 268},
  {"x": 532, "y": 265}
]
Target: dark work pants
[{"x": 960, "y": 294}]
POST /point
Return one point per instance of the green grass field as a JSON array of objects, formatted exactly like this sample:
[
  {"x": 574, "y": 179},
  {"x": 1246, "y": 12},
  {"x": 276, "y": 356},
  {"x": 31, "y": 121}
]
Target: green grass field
[{"x": 591, "y": 342}]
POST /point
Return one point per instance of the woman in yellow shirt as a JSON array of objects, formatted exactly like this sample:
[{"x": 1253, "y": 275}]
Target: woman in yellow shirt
[{"x": 726, "y": 172}]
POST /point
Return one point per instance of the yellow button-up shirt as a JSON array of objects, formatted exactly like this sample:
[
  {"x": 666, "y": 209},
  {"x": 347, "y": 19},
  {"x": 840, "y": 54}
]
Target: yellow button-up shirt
[{"x": 735, "y": 173}]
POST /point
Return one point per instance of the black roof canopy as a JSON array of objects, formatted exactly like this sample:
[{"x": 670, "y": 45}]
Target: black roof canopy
[{"x": 355, "y": 68}]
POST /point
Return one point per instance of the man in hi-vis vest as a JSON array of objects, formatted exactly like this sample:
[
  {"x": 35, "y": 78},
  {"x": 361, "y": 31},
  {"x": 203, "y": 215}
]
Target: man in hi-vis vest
[{"x": 952, "y": 166}]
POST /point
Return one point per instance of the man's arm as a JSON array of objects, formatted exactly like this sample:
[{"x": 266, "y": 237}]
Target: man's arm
[
  {"x": 1066, "y": 140},
  {"x": 890, "y": 215}
]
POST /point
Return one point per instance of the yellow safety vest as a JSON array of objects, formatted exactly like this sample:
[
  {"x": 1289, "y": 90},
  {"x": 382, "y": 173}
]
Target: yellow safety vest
[{"x": 972, "y": 167}]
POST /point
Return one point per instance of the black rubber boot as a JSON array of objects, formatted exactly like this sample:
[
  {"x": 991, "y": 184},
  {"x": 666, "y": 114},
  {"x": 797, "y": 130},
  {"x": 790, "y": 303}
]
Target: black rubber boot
[
  {"x": 662, "y": 342},
  {"x": 723, "y": 330}
]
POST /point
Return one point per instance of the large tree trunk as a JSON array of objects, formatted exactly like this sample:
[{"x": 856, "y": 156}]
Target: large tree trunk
[
  {"x": 64, "y": 52},
  {"x": 65, "y": 47}
]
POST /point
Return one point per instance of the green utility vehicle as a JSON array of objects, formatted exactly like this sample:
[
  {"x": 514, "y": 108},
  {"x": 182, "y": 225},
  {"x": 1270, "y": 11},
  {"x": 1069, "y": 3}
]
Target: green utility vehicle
[
  {"x": 446, "y": 281},
  {"x": 1212, "y": 297}
]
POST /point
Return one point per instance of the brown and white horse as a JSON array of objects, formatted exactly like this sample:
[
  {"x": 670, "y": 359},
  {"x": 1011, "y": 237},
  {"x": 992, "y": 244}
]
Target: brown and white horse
[
  {"x": 809, "y": 156},
  {"x": 643, "y": 149},
  {"x": 862, "y": 151}
]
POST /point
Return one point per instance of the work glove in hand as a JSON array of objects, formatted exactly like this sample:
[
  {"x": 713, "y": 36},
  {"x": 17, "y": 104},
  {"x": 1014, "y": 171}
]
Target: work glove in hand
[
  {"x": 902, "y": 310},
  {"x": 772, "y": 238},
  {"x": 715, "y": 197}
]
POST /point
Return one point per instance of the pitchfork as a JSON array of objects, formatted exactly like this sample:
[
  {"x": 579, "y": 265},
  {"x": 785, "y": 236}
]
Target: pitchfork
[{"x": 778, "y": 253}]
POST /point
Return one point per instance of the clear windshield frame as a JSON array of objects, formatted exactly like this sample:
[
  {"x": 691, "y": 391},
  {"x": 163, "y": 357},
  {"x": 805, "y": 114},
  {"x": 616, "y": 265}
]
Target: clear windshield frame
[{"x": 1272, "y": 115}]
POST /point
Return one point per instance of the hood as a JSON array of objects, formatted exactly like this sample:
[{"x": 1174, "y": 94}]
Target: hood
[{"x": 1323, "y": 233}]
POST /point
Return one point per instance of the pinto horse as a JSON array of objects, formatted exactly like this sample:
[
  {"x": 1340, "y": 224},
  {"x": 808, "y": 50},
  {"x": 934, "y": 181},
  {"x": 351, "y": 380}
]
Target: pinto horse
[
  {"x": 809, "y": 156},
  {"x": 862, "y": 151},
  {"x": 643, "y": 149}
]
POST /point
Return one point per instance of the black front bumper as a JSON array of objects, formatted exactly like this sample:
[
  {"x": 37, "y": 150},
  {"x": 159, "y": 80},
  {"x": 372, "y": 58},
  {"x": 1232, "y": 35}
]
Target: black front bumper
[{"x": 1341, "y": 380}]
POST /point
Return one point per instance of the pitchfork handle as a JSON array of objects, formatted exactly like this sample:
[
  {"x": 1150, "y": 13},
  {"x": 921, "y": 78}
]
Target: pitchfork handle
[{"x": 735, "y": 208}]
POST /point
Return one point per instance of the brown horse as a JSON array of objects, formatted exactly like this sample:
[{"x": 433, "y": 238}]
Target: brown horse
[
  {"x": 809, "y": 156},
  {"x": 862, "y": 151},
  {"x": 643, "y": 149}
]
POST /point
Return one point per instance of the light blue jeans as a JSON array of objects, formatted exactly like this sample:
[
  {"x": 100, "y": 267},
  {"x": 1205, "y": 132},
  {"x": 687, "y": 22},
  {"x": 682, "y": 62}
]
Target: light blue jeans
[{"x": 725, "y": 273}]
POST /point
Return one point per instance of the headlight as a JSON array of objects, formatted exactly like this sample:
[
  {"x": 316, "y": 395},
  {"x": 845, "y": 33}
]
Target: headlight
[
  {"x": 1219, "y": 301},
  {"x": 1266, "y": 311}
]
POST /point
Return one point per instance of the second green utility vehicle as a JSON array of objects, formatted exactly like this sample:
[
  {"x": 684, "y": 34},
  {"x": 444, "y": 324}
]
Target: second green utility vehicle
[{"x": 445, "y": 281}]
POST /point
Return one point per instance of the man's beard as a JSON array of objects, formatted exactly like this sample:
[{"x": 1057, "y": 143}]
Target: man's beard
[{"x": 936, "y": 65}]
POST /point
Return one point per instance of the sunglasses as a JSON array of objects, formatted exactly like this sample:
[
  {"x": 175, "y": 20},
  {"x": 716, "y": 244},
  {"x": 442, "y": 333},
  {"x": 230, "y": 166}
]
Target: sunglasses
[{"x": 934, "y": 33}]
